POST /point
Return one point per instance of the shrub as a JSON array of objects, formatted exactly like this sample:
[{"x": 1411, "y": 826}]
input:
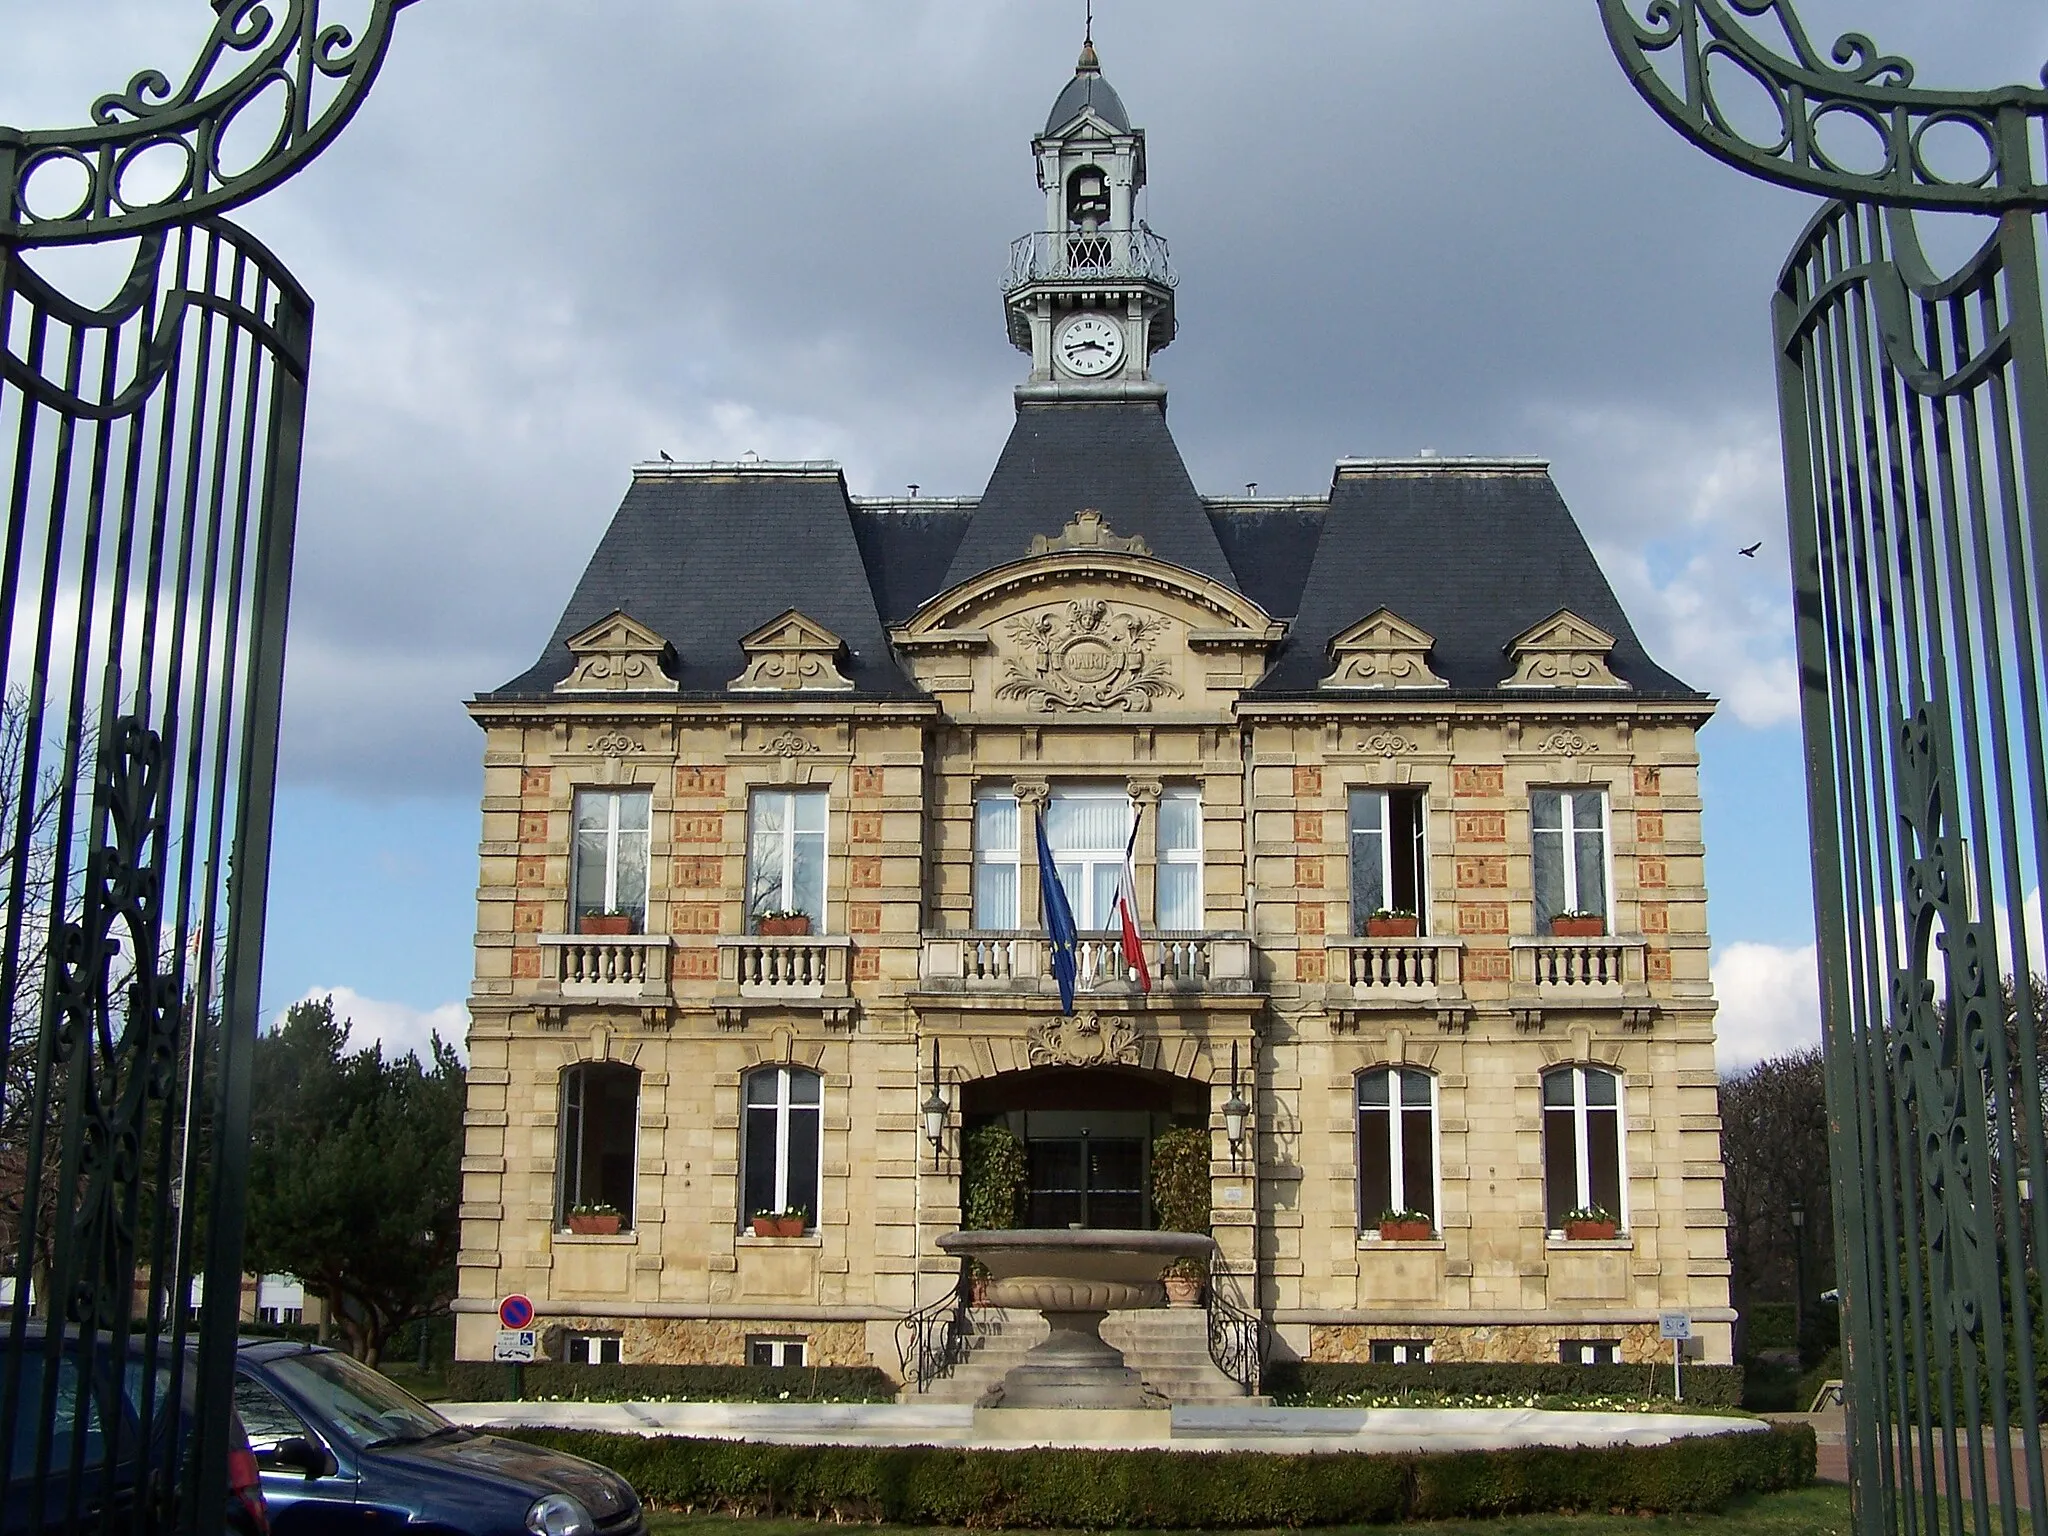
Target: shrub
[
  {"x": 1308, "y": 1383},
  {"x": 995, "y": 1175},
  {"x": 1180, "y": 1179},
  {"x": 1174, "y": 1490},
  {"x": 476, "y": 1382}
]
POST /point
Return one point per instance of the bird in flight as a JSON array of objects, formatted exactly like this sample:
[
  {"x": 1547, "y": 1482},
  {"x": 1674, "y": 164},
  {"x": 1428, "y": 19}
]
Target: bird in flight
[{"x": 1751, "y": 551}]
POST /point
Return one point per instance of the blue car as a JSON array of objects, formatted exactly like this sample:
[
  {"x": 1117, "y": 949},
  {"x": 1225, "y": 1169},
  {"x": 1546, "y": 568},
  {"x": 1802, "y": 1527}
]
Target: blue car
[{"x": 343, "y": 1449}]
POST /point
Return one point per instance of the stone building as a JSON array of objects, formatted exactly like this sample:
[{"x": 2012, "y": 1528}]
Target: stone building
[{"x": 774, "y": 704}]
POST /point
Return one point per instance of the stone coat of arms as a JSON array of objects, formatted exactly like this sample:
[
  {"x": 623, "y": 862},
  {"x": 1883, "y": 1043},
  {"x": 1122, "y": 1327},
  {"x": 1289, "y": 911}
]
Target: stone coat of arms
[
  {"x": 1087, "y": 1040},
  {"x": 1095, "y": 657}
]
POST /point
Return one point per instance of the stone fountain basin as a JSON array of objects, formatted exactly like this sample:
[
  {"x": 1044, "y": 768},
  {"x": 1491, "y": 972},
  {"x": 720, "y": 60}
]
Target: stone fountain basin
[{"x": 1060, "y": 1269}]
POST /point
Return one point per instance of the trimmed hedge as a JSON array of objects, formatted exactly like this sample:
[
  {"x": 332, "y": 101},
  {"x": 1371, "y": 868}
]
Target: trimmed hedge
[
  {"x": 1304, "y": 1382},
  {"x": 1177, "y": 1490},
  {"x": 475, "y": 1382}
]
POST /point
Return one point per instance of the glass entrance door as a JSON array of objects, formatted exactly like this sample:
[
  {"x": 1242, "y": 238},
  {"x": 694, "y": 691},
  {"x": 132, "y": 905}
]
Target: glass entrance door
[{"x": 1088, "y": 1181}]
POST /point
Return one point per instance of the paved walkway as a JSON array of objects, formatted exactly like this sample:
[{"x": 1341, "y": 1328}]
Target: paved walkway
[
  {"x": 1192, "y": 1428},
  {"x": 1831, "y": 1434}
]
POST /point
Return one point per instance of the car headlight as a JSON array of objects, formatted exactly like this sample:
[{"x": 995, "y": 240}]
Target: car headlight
[{"x": 556, "y": 1514}]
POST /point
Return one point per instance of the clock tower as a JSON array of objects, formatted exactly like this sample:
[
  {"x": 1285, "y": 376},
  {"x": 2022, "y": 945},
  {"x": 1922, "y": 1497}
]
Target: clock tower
[{"x": 1090, "y": 294}]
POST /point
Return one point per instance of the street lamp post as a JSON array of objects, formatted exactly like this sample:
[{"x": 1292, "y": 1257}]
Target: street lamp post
[{"x": 1798, "y": 1275}]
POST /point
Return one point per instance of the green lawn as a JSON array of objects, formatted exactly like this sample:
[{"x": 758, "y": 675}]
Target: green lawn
[{"x": 1807, "y": 1512}]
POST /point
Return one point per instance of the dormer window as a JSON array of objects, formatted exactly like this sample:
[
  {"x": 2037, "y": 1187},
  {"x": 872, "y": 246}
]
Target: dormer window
[{"x": 1087, "y": 199}]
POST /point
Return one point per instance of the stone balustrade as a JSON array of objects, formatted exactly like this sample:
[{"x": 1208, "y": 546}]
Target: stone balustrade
[
  {"x": 765, "y": 966},
  {"x": 1015, "y": 961},
  {"x": 1580, "y": 970},
  {"x": 606, "y": 965}
]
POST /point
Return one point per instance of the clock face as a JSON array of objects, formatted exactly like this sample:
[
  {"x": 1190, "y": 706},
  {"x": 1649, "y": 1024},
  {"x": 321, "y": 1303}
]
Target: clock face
[{"x": 1090, "y": 346}]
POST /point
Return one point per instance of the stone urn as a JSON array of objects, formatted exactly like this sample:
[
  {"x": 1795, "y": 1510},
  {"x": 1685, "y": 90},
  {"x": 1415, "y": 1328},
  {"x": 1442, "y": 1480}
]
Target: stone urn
[{"x": 1076, "y": 1278}]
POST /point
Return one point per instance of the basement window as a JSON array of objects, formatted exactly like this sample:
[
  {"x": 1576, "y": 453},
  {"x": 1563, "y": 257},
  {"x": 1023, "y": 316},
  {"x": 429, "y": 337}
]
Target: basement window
[
  {"x": 592, "y": 1348},
  {"x": 1400, "y": 1351},
  {"x": 776, "y": 1353}
]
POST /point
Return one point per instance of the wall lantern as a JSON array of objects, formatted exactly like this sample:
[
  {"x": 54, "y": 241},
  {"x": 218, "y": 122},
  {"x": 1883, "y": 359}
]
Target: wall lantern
[
  {"x": 1235, "y": 1113},
  {"x": 936, "y": 1108}
]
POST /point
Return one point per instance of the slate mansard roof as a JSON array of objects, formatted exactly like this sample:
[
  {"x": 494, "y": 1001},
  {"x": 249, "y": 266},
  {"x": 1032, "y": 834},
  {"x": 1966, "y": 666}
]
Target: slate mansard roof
[{"x": 1474, "y": 552}]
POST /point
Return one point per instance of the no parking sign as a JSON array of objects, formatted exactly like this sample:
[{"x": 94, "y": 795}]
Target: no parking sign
[{"x": 518, "y": 1340}]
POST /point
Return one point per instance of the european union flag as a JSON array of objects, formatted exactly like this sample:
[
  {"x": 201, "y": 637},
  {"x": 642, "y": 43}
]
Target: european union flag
[{"x": 1061, "y": 937}]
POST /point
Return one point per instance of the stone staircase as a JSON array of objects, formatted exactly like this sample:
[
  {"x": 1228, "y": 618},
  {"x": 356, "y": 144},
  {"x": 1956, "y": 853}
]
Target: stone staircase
[{"x": 1168, "y": 1347}]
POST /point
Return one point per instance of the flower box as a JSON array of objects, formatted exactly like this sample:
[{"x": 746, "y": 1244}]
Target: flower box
[
  {"x": 597, "y": 924},
  {"x": 1406, "y": 1232},
  {"x": 779, "y": 1226},
  {"x": 595, "y": 1224},
  {"x": 1391, "y": 927},
  {"x": 1578, "y": 927},
  {"x": 1591, "y": 1231},
  {"x": 1183, "y": 1290},
  {"x": 785, "y": 926}
]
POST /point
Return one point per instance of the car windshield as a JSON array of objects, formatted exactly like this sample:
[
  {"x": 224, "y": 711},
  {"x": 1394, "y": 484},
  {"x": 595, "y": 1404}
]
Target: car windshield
[{"x": 363, "y": 1408}]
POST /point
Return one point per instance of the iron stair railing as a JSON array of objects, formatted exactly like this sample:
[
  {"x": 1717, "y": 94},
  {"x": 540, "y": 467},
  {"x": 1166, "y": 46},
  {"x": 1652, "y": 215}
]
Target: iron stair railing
[{"x": 932, "y": 1342}]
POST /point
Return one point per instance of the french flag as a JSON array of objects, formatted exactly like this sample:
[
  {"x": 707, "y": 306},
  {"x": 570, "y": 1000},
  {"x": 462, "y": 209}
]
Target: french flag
[{"x": 1127, "y": 915}]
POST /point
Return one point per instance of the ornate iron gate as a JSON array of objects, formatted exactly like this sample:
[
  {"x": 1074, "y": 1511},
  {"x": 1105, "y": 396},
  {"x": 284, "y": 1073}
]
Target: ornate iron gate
[
  {"x": 151, "y": 474},
  {"x": 1914, "y": 409}
]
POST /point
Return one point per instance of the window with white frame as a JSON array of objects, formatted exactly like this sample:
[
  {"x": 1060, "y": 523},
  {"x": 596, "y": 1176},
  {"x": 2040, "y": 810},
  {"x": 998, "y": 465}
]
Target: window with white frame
[
  {"x": 1568, "y": 837},
  {"x": 786, "y": 854},
  {"x": 592, "y": 1348},
  {"x": 1177, "y": 871},
  {"x": 1589, "y": 1351},
  {"x": 599, "y": 1138},
  {"x": 1089, "y": 829},
  {"x": 777, "y": 1354},
  {"x": 784, "y": 1109},
  {"x": 1582, "y": 1143},
  {"x": 1388, "y": 869},
  {"x": 996, "y": 843},
  {"x": 609, "y": 879},
  {"x": 1397, "y": 1144},
  {"x": 1400, "y": 1351}
]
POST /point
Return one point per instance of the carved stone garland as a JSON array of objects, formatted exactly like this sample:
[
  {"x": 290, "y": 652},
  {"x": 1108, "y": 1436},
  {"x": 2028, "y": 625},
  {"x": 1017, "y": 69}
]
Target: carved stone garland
[{"x": 1093, "y": 657}]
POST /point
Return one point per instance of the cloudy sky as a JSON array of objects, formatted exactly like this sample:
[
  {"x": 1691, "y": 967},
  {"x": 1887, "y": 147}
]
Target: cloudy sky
[{"x": 563, "y": 237}]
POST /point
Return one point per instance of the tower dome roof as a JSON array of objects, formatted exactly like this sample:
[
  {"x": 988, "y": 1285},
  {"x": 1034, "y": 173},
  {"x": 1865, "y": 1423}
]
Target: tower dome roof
[{"x": 1088, "y": 89}]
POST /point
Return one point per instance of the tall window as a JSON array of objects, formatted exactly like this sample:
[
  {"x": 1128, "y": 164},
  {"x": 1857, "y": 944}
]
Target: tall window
[
  {"x": 996, "y": 823},
  {"x": 1387, "y": 867},
  {"x": 1089, "y": 830},
  {"x": 1582, "y": 1143},
  {"x": 600, "y": 1132},
  {"x": 1397, "y": 1158},
  {"x": 784, "y": 1105},
  {"x": 786, "y": 854},
  {"x": 610, "y": 878},
  {"x": 1179, "y": 867},
  {"x": 1568, "y": 828}
]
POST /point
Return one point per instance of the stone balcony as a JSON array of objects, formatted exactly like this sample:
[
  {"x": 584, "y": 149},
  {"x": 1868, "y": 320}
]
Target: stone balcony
[
  {"x": 627, "y": 967},
  {"x": 758, "y": 971},
  {"x": 1559, "y": 974},
  {"x": 1369, "y": 976},
  {"x": 1013, "y": 963}
]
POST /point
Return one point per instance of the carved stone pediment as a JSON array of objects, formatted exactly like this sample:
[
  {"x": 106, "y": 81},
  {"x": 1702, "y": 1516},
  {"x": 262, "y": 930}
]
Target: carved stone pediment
[
  {"x": 791, "y": 654},
  {"x": 619, "y": 654},
  {"x": 1086, "y": 1040},
  {"x": 1088, "y": 530},
  {"x": 1086, "y": 654},
  {"x": 1382, "y": 651},
  {"x": 1564, "y": 651}
]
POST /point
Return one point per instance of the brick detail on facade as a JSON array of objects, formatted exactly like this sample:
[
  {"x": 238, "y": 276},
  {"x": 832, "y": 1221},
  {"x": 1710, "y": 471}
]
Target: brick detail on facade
[
  {"x": 527, "y": 917},
  {"x": 536, "y": 781},
  {"x": 867, "y": 781},
  {"x": 696, "y": 964},
  {"x": 1487, "y": 965},
  {"x": 1649, "y": 826},
  {"x": 1659, "y": 964},
  {"x": 1307, "y": 781},
  {"x": 693, "y": 917},
  {"x": 1308, "y": 827},
  {"x": 1652, "y": 873},
  {"x": 1649, "y": 781},
  {"x": 526, "y": 964},
  {"x": 1309, "y": 918},
  {"x": 867, "y": 827},
  {"x": 1489, "y": 873},
  {"x": 533, "y": 871},
  {"x": 1656, "y": 917},
  {"x": 1308, "y": 965},
  {"x": 1483, "y": 917},
  {"x": 533, "y": 826},
  {"x": 1308, "y": 874},
  {"x": 700, "y": 828},
  {"x": 864, "y": 917},
  {"x": 867, "y": 965},
  {"x": 699, "y": 874},
  {"x": 1481, "y": 826},
  {"x": 700, "y": 781},
  {"x": 866, "y": 873},
  {"x": 1478, "y": 781}
]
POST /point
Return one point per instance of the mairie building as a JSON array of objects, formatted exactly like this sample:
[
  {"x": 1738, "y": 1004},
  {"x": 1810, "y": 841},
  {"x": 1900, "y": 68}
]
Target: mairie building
[{"x": 1418, "y": 860}]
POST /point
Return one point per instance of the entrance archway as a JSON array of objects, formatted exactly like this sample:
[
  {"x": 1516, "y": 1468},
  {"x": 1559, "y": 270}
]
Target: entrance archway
[{"x": 1088, "y": 1134}]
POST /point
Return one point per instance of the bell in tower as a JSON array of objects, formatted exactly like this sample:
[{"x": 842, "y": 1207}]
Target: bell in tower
[{"x": 1090, "y": 295}]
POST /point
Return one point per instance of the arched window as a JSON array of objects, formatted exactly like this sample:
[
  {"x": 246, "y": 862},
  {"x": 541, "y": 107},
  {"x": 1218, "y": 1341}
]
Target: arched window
[
  {"x": 1582, "y": 1143},
  {"x": 1088, "y": 205},
  {"x": 784, "y": 1106},
  {"x": 1397, "y": 1156},
  {"x": 600, "y": 1134}
]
